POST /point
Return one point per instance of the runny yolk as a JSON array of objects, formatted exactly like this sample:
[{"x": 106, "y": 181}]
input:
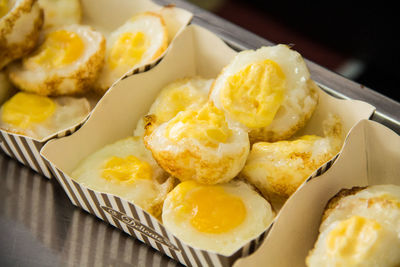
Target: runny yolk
[
  {"x": 127, "y": 170},
  {"x": 210, "y": 208},
  {"x": 207, "y": 125},
  {"x": 24, "y": 109},
  {"x": 59, "y": 49},
  {"x": 353, "y": 238},
  {"x": 128, "y": 50},
  {"x": 254, "y": 94}
]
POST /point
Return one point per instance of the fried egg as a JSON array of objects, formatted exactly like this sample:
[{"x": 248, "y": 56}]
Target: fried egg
[
  {"x": 20, "y": 25},
  {"x": 277, "y": 169},
  {"x": 361, "y": 227},
  {"x": 66, "y": 63},
  {"x": 200, "y": 145},
  {"x": 218, "y": 218},
  {"x": 177, "y": 96},
  {"x": 58, "y": 13},
  {"x": 269, "y": 91},
  {"x": 126, "y": 169},
  {"x": 141, "y": 39},
  {"x": 39, "y": 117}
]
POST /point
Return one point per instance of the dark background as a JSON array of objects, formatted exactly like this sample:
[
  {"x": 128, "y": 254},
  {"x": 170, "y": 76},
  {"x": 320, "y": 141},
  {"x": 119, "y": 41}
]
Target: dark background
[{"x": 356, "y": 40}]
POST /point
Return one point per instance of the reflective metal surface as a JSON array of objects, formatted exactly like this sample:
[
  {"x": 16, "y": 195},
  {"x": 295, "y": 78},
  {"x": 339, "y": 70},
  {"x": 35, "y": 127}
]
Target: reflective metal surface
[{"x": 40, "y": 227}]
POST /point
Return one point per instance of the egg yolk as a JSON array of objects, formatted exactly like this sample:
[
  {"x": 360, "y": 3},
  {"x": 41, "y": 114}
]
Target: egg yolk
[
  {"x": 353, "y": 238},
  {"x": 254, "y": 94},
  {"x": 207, "y": 125},
  {"x": 3, "y": 7},
  {"x": 24, "y": 109},
  {"x": 60, "y": 48},
  {"x": 128, "y": 50},
  {"x": 210, "y": 208},
  {"x": 176, "y": 100},
  {"x": 127, "y": 170}
]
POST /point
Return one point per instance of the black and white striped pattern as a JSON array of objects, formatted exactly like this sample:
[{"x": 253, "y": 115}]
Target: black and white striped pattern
[
  {"x": 323, "y": 168},
  {"x": 27, "y": 151},
  {"x": 90, "y": 243},
  {"x": 139, "y": 224},
  {"x": 143, "y": 68}
]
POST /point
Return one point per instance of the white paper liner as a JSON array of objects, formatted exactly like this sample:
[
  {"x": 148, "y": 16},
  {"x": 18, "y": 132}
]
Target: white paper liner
[
  {"x": 105, "y": 16},
  {"x": 370, "y": 156},
  {"x": 195, "y": 52}
]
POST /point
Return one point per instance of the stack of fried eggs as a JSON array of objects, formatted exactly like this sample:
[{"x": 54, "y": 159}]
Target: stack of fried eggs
[
  {"x": 360, "y": 227},
  {"x": 228, "y": 145},
  {"x": 59, "y": 67}
]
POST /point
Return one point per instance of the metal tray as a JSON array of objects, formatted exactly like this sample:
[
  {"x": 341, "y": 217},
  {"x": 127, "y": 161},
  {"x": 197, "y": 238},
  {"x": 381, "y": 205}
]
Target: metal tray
[{"x": 40, "y": 227}]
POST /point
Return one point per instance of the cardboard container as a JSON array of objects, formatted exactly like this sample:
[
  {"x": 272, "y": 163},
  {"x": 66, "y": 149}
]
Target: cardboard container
[
  {"x": 195, "y": 52},
  {"x": 370, "y": 156},
  {"x": 105, "y": 16},
  {"x": 27, "y": 150}
]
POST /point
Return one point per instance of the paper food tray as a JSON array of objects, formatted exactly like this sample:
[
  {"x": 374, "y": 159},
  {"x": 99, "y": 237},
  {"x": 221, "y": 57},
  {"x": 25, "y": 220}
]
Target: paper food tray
[
  {"x": 104, "y": 16},
  {"x": 195, "y": 52}
]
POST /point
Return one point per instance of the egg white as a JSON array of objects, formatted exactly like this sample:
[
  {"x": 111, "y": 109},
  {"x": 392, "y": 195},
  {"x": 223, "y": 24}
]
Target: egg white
[
  {"x": 384, "y": 206},
  {"x": 69, "y": 112},
  {"x": 194, "y": 89},
  {"x": 153, "y": 27},
  {"x": 189, "y": 159},
  {"x": 19, "y": 30},
  {"x": 277, "y": 169},
  {"x": 148, "y": 194},
  {"x": 300, "y": 97},
  {"x": 70, "y": 79},
  {"x": 259, "y": 215},
  {"x": 380, "y": 203}
]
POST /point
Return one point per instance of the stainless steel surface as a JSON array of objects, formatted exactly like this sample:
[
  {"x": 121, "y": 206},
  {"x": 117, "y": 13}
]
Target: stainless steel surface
[{"x": 40, "y": 227}]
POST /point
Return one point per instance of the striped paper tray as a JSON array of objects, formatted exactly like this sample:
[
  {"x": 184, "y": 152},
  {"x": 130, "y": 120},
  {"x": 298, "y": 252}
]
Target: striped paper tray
[
  {"x": 195, "y": 52},
  {"x": 370, "y": 156},
  {"x": 104, "y": 16}
]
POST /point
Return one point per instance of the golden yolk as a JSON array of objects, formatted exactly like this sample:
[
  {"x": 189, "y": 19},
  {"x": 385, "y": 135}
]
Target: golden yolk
[
  {"x": 254, "y": 94},
  {"x": 127, "y": 170},
  {"x": 207, "y": 125},
  {"x": 3, "y": 7},
  {"x": 59, "y": 49},
  {"x": 24, "y": 109},
  {"x": 353, "y": 238},
  {"x": 175, "y": 101},
  {"x": 210, "y": 208},
  {"x": 128, "y": 50}
]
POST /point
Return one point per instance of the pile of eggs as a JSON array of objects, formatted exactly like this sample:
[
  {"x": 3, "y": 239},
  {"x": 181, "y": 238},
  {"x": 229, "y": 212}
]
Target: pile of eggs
[
  {"x": 50, "y": 63},
  {"x": 220, "y": 153},
  {"x": 210, "y": 159}
]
